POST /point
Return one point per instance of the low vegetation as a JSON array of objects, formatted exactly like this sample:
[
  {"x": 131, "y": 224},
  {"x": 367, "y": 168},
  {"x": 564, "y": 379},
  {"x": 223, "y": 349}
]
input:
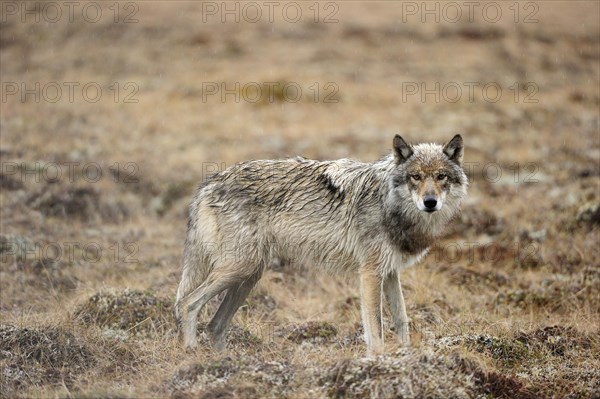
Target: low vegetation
[{"x": 506, "y": 305}]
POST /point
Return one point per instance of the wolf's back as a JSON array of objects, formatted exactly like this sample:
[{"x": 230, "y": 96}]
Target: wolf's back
[{"x": 256, "y": 211}]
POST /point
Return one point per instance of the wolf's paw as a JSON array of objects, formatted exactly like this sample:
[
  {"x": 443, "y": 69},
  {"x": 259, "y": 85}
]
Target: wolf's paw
[
  {"x": 218, "y": 345},
  {"x": 189, "y": 341},
  {"x": 375, "y": 350},
  {"x": 404, "y": 334},
  {"x": 190, "y": 346},
  {"x": 217, "y": 341}
]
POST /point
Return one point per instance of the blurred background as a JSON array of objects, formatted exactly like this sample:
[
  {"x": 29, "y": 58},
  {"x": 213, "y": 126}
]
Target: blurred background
[{"x": 112, "y": 113}]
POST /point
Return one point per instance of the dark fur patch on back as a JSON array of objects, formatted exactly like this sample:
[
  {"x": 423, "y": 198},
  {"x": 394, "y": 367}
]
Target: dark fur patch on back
[{"x": 331, "y": 187}]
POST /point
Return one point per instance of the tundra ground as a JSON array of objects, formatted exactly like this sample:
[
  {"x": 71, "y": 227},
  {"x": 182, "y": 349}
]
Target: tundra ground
[{"x": 95, "y": 186}]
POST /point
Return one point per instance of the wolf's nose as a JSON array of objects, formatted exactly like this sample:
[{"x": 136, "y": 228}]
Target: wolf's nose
[{"x": 430, "y": 203}]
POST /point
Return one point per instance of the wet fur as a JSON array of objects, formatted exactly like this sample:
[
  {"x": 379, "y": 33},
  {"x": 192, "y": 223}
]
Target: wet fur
[{"x": 342, "y": 216}]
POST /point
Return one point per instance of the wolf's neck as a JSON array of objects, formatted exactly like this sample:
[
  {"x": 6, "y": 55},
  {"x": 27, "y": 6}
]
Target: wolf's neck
[{"x": 407, "y": 233}]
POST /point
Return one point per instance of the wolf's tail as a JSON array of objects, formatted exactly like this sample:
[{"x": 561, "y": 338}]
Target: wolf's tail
[{"x": 196, "y": 267}]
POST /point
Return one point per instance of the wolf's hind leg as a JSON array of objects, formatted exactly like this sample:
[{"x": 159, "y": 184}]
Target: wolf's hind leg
[
  {"x": 393, "y": 292},
  {"x": 235, "y": 297},
  {"x": 191, "y": 304}
]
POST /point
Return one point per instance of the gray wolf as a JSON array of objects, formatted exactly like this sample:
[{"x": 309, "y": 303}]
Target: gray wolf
[{"x": 371, "y": 219}]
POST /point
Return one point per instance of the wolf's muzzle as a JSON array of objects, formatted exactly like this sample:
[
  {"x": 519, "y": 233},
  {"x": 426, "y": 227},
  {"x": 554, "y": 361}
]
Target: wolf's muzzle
[{"x": 430, "y": 203}]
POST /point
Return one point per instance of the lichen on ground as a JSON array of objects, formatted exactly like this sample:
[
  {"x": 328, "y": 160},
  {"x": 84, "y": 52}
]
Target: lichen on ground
[
  {"x": 39, "y": 356},
  {"x": 133, "y": 311}
]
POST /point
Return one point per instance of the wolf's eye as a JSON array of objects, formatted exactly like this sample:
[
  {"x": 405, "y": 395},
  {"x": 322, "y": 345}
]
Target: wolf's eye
[
  {"x": 415, "y": 177},
  {"x": 441, "y": 176}
]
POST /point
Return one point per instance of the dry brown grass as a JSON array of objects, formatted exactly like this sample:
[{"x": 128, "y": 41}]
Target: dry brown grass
[{"x": 505, "y": 306}]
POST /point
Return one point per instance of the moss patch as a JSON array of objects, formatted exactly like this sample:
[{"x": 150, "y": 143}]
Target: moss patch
[
  {"x": 133, "y": 311},
  {"x": 313, "y": 331},
  {"x": 40, "y": 356},
  {"x": 244, "y": 377},
  {"x": 409, "y": 373}
]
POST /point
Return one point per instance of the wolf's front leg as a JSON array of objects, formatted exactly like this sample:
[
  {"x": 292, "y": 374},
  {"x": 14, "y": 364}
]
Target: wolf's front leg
[
  {"x": 393, "y": 291},
  {"x": 370, "y": 309}
]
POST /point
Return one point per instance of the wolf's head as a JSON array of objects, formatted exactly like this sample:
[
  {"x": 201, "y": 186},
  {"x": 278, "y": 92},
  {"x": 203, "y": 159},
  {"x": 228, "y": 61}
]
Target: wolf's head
[{"x": 428, "y": 178}]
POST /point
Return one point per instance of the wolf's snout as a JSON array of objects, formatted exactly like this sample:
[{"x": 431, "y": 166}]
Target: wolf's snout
[{"x": 430, "y": 203}]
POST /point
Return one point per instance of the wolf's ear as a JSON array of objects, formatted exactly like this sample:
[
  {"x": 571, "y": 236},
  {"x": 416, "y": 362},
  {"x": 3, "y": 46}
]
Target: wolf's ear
[
  {"x": 402, "y": 150},
  {"x": 454, "y": 149}
]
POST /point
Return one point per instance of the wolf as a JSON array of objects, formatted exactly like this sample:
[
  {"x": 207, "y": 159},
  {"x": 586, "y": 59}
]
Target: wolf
[{"x": 367, "y": 219}]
